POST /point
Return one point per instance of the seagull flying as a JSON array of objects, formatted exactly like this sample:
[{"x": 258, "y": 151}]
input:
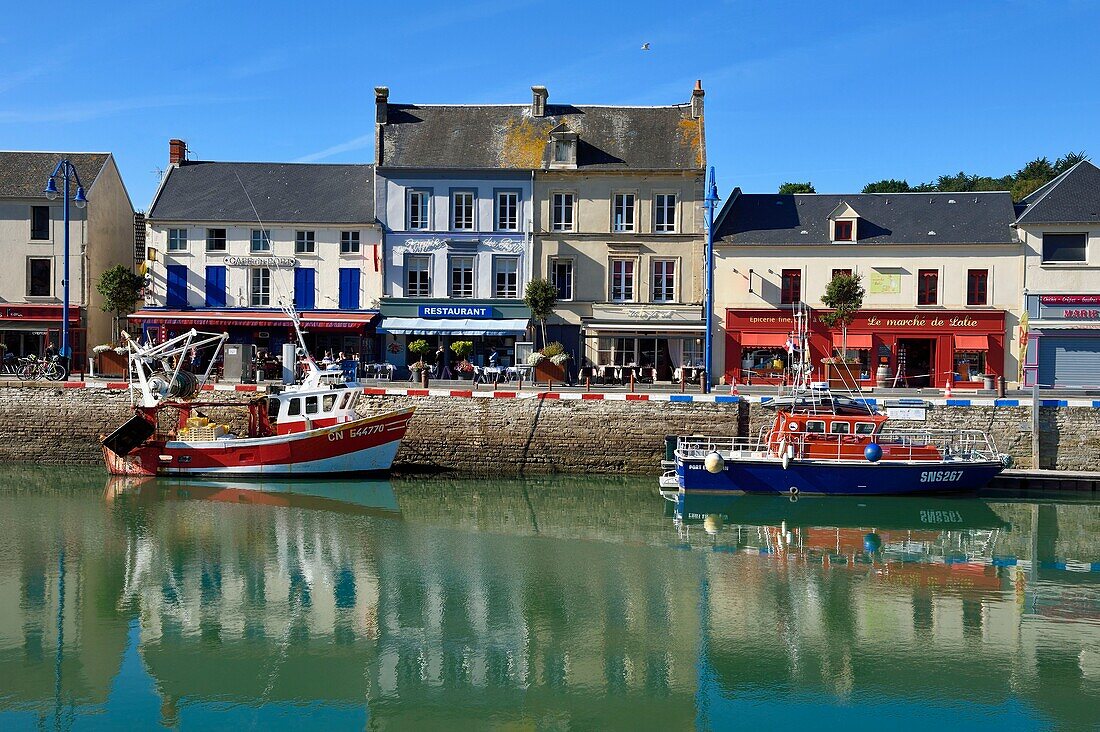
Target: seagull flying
[{"x": 645, "y": 46}]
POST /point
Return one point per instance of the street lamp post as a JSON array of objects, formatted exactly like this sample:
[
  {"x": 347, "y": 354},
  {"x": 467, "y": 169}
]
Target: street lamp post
[
  {"x": 709, "y": 203},
  {"x": 66, "y": 170}
]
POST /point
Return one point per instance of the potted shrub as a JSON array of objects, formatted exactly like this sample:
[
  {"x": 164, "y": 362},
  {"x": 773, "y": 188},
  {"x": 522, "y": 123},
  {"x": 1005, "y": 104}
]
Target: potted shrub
[
  {"x": 110, "y": 360},
  {"x": 419, "y": 348},
  {"x": 550, "y": 363},
  {"x": 462, "y": 350}
]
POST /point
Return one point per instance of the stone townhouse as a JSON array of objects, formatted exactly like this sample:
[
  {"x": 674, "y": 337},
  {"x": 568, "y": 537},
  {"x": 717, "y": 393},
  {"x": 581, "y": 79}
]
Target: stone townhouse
[
  {"x": 619, "y": 229},
  {"x": 101, "y": 235},
  {"x": 228, "y": 244},
  {"x": 602, "y": 200},
  {"x": 454, "y": 197},
  {"x": 1059, "y": 225},
  {"x": 942, "y": 273}
]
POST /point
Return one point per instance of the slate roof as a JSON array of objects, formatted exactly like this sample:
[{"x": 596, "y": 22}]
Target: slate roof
[
  {"x": 508, "y": 136},
  {"x": 1073, "y": 197},
  {"x": 317, "y": 193},
  {"x": 24, "y": 174},
  {"x": 885, "y": 218}
]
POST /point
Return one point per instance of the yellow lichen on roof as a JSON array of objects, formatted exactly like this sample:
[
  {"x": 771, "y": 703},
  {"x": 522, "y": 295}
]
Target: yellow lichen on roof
[
  {"x": 524, "y": 142},
  {"x": 691, "y": 135}
]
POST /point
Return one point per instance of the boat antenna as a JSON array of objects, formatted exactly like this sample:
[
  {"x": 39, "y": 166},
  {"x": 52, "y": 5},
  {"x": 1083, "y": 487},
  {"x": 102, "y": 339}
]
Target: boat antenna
[{"x": 286, "y": 303}]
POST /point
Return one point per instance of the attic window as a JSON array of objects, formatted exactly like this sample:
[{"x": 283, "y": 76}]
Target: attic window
[
  {"x": 562, "y": 151},
  {"x": 563, "y": 148},
  {"x": 842, "y": 231}
]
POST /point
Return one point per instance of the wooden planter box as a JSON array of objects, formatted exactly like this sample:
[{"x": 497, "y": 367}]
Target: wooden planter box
[
  {"x": 842, "y": 376},
  {"x": 547, "y": 371},
  {"x": 110, "y": 363}
]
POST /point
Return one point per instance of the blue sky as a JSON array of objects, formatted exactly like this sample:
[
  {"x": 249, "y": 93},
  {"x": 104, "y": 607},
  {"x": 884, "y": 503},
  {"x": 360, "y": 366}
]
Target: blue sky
[{"x": 840, "y": 93}]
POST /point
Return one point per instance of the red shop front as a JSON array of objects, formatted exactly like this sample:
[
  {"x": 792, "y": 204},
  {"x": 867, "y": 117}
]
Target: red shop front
[{"x": 919, "y": 347}]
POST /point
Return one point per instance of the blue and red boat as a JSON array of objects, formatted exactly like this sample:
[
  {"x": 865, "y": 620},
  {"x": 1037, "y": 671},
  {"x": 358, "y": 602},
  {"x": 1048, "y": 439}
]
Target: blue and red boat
[{"x": 819, "y": 443}]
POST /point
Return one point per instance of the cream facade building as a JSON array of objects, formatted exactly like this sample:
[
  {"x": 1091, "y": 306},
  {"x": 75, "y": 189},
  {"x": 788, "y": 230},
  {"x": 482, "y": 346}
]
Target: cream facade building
[
  {"x": 32, "y": 235},
  {"x": 942, "y": 272}
]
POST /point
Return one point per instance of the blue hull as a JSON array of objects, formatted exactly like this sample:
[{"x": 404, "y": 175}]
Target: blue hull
[{"x": 844, "y": 479}]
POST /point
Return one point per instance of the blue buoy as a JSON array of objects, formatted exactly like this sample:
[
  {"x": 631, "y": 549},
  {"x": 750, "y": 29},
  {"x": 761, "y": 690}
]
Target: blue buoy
[
  {"x": 872, "y": 542},
  {"x": 873, "y": 452}
]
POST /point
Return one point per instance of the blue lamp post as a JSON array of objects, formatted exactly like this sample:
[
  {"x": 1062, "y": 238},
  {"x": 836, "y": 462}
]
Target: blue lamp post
[
  {"x": 66, "y": 170},
  {"x": 709, "y": 203}
]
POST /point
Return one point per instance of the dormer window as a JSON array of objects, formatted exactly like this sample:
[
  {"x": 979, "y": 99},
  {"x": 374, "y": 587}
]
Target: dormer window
[
  {"x": 563, "y": 147},
  {"x": 842, "y": 230},
  {"x": 843, "y": 222}
]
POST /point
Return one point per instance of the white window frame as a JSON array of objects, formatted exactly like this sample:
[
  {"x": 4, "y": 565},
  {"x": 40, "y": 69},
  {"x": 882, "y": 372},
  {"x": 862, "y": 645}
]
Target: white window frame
[
  {"x": 456, "y": 196},
  {"x": 558, "y": 200},
  {"x": 1043, "y": 261},
  {"x": 49, "y": 224},
  {"x": 305, "y": 241},
  {"x": 351, "y": 241},
  {"x": 515, "y": 205},
  {"x": 460, "y": 294},
  {"x": 553, "y": 270},
  {"x": 211, "y": 238},
  {"x": 51, "y": 279},
  {"x": 263, "y": 236},
  {"x": 660, "y": 205},
  {"x": 669, "y": 291},
  {"x": 417, "y": 259},
  {"x": 177, "y": 240},
  {"x": 621, "y": 200},
  {"x": 622, "y": 296},
  {"x": 259, "y": 292},
  {"x": 503, "y": 293},
  {"x": 425, "y": 199}
]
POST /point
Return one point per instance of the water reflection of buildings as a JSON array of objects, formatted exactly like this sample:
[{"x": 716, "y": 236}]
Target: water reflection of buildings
[{"x": 435, "y": 603}]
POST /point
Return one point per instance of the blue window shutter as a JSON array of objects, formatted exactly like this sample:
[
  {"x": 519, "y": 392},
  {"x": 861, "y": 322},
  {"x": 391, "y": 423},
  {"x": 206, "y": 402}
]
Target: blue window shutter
[
  {"x": 215, "y": 287},
  {"x": 349, "y": 288},
  {"x": 177, "y": 286},
  {"x": 305, "y": 288}
]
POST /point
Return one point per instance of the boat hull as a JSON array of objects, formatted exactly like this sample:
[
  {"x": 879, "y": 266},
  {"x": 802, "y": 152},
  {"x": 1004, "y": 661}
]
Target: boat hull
[
  {"x": 366, "y": 445},
  {"x": 837, "y": 478}
]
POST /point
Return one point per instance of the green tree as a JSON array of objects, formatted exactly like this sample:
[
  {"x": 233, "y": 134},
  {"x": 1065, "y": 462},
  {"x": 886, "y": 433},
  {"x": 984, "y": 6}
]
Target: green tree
[
  {"x": 844, "y": 294},
  {"x": 788, "y": 188},
  {"x": 887, "y": 185},
  {"x": 1067, "y": 161},
  {"x": 121, "y": 289},
  {"x": 541, "y": 296}
]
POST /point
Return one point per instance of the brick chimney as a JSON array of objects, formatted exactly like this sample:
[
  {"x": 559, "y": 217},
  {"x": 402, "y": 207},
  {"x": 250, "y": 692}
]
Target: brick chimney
[
  {"x": 697, "y": 99},
  {"x": 539, "y": 95},
  {"x": 381, "y": 104},
  {"x": 177, "y": 151}
]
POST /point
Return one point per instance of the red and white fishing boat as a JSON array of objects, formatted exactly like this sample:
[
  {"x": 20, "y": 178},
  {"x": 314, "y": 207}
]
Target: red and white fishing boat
[{"x": 306, "y": 429}]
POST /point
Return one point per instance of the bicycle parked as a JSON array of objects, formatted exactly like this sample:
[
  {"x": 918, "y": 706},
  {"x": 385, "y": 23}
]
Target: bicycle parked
[{"x": 33, "y": 368}]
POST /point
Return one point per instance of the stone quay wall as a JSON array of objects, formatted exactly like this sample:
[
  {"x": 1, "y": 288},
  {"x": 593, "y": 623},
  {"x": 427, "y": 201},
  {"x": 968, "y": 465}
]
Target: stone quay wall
[{"x": 531, "y": 435}]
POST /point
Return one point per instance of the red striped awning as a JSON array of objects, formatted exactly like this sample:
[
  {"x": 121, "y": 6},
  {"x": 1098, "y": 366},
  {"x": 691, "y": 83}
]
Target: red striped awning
[
  {"x": 764, "y": 340},
  {"x": 256, "y": 318},
  {"x": 971, "y": 343}
]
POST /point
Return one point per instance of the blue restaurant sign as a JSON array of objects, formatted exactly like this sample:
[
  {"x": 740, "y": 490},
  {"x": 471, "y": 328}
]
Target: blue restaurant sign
[{"x": 455, "y": 311}]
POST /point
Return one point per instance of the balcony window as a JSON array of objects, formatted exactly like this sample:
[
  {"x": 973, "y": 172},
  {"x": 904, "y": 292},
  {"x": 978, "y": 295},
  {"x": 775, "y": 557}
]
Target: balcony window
[
  {"x": 418, "y": 283},
  {"x": 562, "y": 212},
  {"x": 506, "y": 277},
  {"x": 664, "y": 280},
  {"x": 561, "y": 276},
  {"x": 622, "y": 280},
  {"x": 260, "y": 287},
  {"x": 462, "y": 277}
]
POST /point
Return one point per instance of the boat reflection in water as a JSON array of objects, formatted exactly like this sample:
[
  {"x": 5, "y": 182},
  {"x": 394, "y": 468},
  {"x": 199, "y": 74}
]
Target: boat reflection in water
[
  {"x": 361, "y": 496},
  {"x": 548, "y": 603}
]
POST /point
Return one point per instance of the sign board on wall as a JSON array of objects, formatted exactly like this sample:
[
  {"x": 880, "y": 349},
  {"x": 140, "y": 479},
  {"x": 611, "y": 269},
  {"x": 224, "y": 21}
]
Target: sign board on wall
[
  {"x": 884, "y": 283},
  {"x": 480, "y": 312},
  {"x": 276, "y": 262},
  {"x": 913, "y": 414}
]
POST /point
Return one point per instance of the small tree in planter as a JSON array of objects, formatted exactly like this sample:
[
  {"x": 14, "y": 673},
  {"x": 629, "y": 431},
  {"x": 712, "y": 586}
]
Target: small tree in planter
[
  {"x": 419, "y": 348},
  {"x": 541, "y": 296},
  {"x": 844, "y": 295},
  {"x": 462, "y": 351},
  {"x": 121, "y": 289}
]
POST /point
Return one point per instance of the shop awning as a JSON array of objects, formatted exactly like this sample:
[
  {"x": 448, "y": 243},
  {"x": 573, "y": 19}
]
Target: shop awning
[
  {"x": 255, "y": 318},
  {"x": 764, "y": 340},
  {"x": 856, "y": 341},
  {"x": 971, "y": 343},
  {"x": 650, "y": 327},
  {"x": 453, "y": 326}
]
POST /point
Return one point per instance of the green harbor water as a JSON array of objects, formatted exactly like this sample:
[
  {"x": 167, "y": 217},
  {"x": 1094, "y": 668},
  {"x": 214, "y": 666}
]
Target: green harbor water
[{"x": 538, "y": 604}]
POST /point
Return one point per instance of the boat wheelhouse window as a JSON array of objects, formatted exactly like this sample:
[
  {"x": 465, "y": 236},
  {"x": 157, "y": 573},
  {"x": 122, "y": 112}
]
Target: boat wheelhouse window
[
  {"x": 293, "y": 407},
  {"x": 328, "y": 402},
  {"x": 841, "y": 428},
  {"x": 311, "y": 405},
  {"x": 865, "y": 428},
  {"x": 272, "y": 408},
  {"x": 818, "y": 427},
  {"x": 345, "y": 400}
]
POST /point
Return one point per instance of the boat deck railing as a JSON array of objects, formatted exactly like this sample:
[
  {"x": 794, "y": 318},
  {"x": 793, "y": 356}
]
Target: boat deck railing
[{"x": 959, "y": 444}]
